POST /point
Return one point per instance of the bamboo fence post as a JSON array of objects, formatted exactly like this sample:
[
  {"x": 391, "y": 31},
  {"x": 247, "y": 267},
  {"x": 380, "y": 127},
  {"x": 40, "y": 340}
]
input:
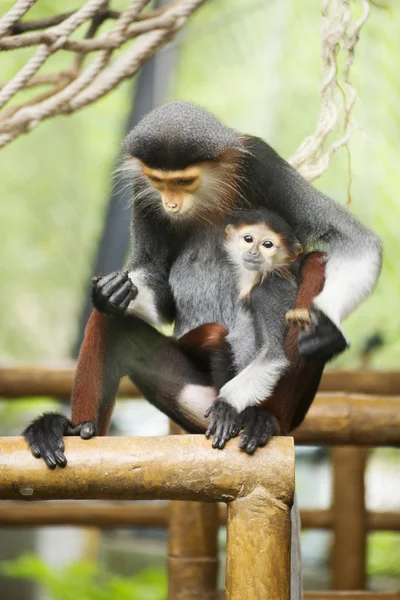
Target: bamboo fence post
[
  {"x": 192, "y": 546},
  {"x": 192, "y": 550},
  {"x": 350, "y": 518},
  {"x": 261, "y": 523}
]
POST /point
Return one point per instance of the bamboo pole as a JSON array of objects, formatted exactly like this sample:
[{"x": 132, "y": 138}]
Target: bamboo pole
[
  {"x": 192, "y": 550},
  {"x": 106, "y": 514},
  {"x": 335, "y": 419},
  {"x": 192, "y": 546},
  {"x": 142, "y": 468},
  {"x": 41, "y": 380},
  {"x": 349, "y": 595},
  {"x": 350, "y": 518},
  {"x": 258, "y": 489}
]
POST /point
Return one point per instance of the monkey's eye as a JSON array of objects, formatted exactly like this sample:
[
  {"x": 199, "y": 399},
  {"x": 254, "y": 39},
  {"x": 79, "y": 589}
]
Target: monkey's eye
[
  {"x": 185, "y": 181},
  {"x": 154, "y": 179},
  {"x": 248, "y": 238},
  {"x": 267, "y": 244}
]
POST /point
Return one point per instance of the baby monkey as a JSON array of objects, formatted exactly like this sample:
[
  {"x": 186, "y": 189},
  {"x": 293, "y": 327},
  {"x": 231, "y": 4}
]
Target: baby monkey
[{"x": 265, "y": 255}]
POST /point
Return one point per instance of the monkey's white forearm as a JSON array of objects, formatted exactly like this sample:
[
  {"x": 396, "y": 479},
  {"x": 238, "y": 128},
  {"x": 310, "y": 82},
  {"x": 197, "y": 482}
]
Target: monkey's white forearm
[
  {"x": 255, "y": 383},
  {"x": 144, "y": 305},
  {"x": 350, "y": 277}
]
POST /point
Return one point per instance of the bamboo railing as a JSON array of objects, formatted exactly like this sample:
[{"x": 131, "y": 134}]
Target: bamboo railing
[
  {"x": 38, "y": 380},
  {"x": 258, "y": 492},
  {"x": 335, "y": 419}
]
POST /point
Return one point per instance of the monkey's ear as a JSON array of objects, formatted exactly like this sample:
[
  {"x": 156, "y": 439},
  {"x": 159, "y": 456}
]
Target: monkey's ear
[
  {"x": 229, "y": 232},
  {"x": 297, "y": 248}
]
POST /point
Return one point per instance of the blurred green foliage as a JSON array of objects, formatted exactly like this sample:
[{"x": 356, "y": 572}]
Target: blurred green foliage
[
  {"x": 85, "y": 581},
  {"x": 256, "y": 64},
  {"x": 383, "y": 556}
]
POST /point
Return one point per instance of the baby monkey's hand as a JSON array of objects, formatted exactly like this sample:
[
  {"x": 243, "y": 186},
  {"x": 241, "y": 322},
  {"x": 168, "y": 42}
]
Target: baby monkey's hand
[{"x": 299, "y": 317}]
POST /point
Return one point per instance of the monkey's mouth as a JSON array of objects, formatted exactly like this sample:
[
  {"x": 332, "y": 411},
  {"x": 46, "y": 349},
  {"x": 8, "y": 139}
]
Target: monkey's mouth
[{"x": 251, "y": 264}]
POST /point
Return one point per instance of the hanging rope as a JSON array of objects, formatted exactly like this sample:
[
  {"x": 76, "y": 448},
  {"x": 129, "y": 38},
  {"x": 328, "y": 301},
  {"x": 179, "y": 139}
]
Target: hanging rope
[{"x": 339, "y": 33}]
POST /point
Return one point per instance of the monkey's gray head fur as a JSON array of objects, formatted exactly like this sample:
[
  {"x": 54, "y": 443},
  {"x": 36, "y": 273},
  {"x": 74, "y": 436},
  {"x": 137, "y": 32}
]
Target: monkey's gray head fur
[{"x": 178, "y": 134}]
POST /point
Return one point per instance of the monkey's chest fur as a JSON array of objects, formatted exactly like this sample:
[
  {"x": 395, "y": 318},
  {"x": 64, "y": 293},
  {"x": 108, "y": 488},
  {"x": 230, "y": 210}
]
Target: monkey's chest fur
[{"x": 202, "y": 284}]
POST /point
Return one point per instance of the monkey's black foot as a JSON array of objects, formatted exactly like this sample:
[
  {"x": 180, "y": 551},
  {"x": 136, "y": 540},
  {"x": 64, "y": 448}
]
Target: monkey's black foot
[
  {"x": 258, "y": 427},
  {"x": 112, "y": 293},
  {"x": 323, "y": 341},
  {"x": 45, "y": 437},
  {"x": 224, "y": 423}
]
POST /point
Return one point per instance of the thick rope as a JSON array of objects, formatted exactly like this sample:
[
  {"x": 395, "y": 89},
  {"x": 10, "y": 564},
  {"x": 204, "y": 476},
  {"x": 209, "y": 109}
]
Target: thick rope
[
  {"x": 339, "y": 32},
  {"x": 14, "y": 14},
  {"x": 77, "y": 87},
  {"x": 73, "y": 89}
]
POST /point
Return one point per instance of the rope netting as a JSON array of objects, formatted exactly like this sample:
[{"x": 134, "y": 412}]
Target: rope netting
[
  {"x": 81, "y": 84},
  {"x": 115, "y": 58}
]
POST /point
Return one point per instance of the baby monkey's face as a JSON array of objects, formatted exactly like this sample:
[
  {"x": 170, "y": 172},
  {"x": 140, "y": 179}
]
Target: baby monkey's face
[{"x": 257, "y": 247}]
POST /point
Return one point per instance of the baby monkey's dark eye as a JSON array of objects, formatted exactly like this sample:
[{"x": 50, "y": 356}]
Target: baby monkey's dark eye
[
  {"x": 267, "y": 244},
  {"x": 248, "y": 239}
]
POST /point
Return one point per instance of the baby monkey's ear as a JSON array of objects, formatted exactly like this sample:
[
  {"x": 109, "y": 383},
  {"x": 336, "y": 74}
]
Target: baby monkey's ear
[
  {"x": 297, "y": 249},
  {"x": 229, "y": 232}
]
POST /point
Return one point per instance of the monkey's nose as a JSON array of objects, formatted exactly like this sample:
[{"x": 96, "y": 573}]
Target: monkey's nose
[
  {"x": 172, "y": 205},
  {"x": 252, "y": 253}
]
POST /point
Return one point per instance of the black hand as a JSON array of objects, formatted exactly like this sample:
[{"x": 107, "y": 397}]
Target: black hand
[
  {"x": 323, "y": 341},
  {"x": 45, "y": 437},
  {"x": 113, "y": 292},
  {"x": 224, "y": 423},
  {"x": 258, "y": 427}
]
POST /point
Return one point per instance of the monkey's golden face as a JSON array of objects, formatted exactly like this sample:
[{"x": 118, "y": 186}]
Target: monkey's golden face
[
  {"x": 177, "y": 188},
  {"x": 203, "y": 191},
  {"x": 257, "y": 247}
]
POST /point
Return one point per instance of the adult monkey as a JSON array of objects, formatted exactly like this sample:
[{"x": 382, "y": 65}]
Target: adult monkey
[{"x": 190, "y": 174}]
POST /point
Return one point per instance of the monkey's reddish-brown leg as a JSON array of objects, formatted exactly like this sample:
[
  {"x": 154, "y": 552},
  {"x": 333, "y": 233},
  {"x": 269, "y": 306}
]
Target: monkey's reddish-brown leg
[
  {"x": 89, "y": 382},
  {"x": 297, "y": 388}
]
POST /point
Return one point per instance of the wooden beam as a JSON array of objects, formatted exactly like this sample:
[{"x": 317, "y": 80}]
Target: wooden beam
[
  {"x": 350, "y": 518},
  {"x": 182, "y": 467},
  {"x": 334, "y": 419},
  {"x": 359, "y": 595},
  {"x": 106, "y": 514},
  {"x": 375, "y": 383},
  {"x": 41, "y": 380}
]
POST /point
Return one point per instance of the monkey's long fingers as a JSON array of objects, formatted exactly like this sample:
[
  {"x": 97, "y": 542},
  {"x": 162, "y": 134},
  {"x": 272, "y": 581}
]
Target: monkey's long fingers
[
  {"x": 44, "y": 436},
  {"x": 225, "y": 435},
  {"x": 120, "y": 276},
  {"x": 262, "y": 432},
  {"x": 249, "y": 422},
  {"x": 218, "y": 434},
  {"x": 121, "y": 298},
  {"x": 107, "y": 289},
  {"x": 213, "y": 422}
]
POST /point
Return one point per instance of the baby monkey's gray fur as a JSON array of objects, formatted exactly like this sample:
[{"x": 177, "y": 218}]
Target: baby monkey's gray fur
[{"x": 264, "y": 255}]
